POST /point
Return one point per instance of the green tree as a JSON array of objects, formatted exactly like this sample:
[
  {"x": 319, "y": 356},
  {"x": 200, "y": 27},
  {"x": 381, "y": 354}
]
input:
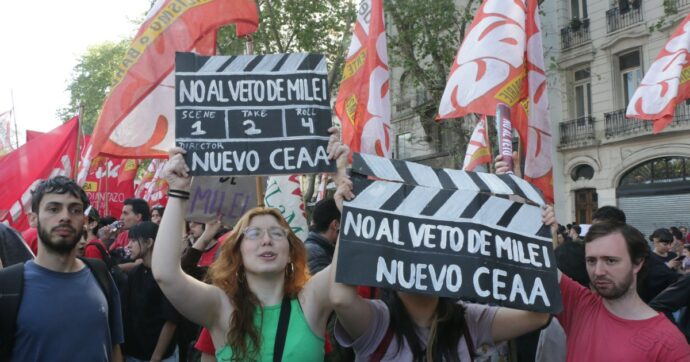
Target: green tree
[
  {"x": 288, "y": 26},
  {"x": 91, "y": 80},
  {"x": 423, "y": 38}
]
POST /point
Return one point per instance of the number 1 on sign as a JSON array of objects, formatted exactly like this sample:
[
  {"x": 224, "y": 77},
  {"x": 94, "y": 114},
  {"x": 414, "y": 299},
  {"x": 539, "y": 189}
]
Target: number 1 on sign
[
  {"x": 309, "y": 123},
  {"x": 197, "y": 129}
]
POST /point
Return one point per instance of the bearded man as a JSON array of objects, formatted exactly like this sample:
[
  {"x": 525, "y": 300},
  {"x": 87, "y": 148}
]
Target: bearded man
[
  {"x": 612, "y": 322},
  {"x": 64, "y": 314}
]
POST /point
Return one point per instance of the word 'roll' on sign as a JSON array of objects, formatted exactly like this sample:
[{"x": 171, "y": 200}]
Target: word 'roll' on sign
[
  {"x": 448, "y": 233},
  {"x": 253, "y": 114}
]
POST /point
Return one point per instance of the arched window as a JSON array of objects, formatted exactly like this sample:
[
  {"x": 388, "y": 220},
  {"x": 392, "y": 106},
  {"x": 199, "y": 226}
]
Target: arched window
[
  {"x": 585, "y": 172},
  {"x": 658, "y": 171}
]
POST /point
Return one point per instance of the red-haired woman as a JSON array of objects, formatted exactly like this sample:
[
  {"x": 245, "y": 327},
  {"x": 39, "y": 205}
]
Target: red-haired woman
[{"x": 261, "y": 271}]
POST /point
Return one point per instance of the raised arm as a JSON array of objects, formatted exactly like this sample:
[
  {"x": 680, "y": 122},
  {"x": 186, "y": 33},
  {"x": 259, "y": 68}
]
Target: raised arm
[
  {"x": 318, "y": 306},
  {"x": 199, "y": 302},
  {"x": 354, "y": 313},
  {"x": 511, "y": 323}
]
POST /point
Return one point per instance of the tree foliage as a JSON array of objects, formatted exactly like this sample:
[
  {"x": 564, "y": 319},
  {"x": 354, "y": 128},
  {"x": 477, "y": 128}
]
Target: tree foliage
[
  {"x": 288, "y": 26},
  {"x": 423, "y": 39},
  {"x": 91, "y": 80}
]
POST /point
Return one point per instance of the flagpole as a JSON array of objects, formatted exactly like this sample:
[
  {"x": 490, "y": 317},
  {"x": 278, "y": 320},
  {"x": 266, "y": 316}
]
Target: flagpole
[
  {"x": 77, "y": 155},
  {"x": 249, "y": 50},
  {"x": 14, "y": 118},
  {"x": 484, "y": 120}
]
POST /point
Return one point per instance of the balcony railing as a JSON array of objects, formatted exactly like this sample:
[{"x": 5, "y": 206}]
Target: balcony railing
[
  {"x": 577, "y": 131},
  {"x": 621, "y": 17},
  {"x": 617, "y": 125},
  {"x": 575, "y": 34},
  {"x": 671, "y": 7}
]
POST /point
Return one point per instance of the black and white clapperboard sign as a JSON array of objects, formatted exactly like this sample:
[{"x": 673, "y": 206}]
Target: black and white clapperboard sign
[
  {"x": 448, "y": 233},
  {"x": 253, "y": 114}
]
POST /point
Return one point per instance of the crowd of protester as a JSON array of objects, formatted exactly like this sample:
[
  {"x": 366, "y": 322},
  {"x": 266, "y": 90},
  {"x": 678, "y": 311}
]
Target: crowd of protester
[{"x": 164, "y": 289}]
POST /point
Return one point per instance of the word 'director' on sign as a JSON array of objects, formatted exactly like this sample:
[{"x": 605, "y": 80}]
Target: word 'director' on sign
[
  {"x": 211, "y": 196},
  {"x": 253, "y": 114},
  {"x": 455, "y": 243}
]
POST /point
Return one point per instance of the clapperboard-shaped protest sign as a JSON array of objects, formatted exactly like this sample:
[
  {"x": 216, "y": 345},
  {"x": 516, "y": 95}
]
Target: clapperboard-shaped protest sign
[
  {"x": 448, "y": 233},
  {"x": 227, "y": 196},
  {"x": 253, "y": 114}
]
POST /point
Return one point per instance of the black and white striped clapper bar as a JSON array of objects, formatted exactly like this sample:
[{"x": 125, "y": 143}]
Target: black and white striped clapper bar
[
  {"x": 253, "y": 114},
  {"x": 449, "y": 233}
]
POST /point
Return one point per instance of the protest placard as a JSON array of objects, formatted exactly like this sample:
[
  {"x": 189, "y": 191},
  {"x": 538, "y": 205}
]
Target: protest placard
[
  {"x": 253, "y": 114},
  {"x": 433, "y": 231},
  {"x": 230, "y": 197}
]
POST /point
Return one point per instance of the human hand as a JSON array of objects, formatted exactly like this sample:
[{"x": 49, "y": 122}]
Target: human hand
[
  {"x": 548, "y": 217},
  {"x": 338, "y": 151},
  {"x": 176, "y": 170},
  {"x": 343, "y": 192},
  {"x": 501, "y": 167}
]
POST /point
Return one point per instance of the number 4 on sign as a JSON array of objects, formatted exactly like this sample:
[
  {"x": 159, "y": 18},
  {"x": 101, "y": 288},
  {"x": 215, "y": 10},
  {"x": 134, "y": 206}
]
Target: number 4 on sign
[
  {"x": 309, "y": 123},
  {"x": 197, "y": 129}
]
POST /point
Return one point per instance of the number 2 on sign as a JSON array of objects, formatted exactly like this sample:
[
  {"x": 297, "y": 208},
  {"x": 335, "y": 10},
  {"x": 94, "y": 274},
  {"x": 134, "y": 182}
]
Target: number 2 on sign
[
  {"x": 252, "y": 130},
  {"x": 309, "y": 123},
  {"x": 197, "y": 129}
]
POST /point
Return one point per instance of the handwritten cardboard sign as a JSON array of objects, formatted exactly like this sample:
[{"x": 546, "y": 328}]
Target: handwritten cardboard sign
[{"x": 253, "y": 114}]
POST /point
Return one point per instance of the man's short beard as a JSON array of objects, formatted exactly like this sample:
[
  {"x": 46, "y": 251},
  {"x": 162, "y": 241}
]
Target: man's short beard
[
  {"x": 65, "y": 247},
  {"x": 617, "y": 291}
]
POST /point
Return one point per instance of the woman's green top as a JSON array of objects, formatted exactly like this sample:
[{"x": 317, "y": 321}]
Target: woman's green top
[{"x": 301, "y": 344}]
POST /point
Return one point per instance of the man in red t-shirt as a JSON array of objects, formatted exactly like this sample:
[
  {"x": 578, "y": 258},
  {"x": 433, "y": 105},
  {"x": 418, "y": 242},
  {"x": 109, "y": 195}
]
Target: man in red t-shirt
[{"x": 614, "y": 324}]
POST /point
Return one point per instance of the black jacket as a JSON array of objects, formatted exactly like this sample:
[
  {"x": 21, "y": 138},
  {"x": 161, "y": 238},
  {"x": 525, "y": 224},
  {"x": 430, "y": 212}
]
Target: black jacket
[
  {"x": 676, "y": 296},
  {"x": 319, "y": 251},
  {"x": 13, "y": 249}
]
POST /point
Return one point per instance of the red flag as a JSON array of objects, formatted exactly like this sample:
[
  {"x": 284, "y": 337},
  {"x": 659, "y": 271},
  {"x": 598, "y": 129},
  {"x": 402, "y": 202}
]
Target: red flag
[
  {"x": 128, "y": 170},
  {"x": 30, "y": 135},
  {"x": 363, "y": 103},
  {"x": 666, "y": 83},
  {"x": 137, "y": 118},
  {"x": 501, "y": 61},
  {"x": 104, "y": 188},
  {"x": 477, "y": 149},
  {"x": 30, "y": 163}
]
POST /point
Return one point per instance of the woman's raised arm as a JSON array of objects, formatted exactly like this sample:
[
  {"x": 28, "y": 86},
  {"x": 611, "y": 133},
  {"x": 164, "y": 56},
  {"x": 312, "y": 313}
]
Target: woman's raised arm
[{"x": 199, "y": 302}]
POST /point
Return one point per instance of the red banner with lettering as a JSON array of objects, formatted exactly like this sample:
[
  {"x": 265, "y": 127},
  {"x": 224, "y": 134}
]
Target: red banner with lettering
[
  {"x": 109, "y": 183},
  {"x": 363, "y": 103},
  {"x": 137, "y": 118},
  {"x": 21, "y": 169}
]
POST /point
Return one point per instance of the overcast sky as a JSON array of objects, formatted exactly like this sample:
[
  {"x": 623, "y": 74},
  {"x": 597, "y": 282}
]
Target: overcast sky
[{"x": 40, "y": 42}]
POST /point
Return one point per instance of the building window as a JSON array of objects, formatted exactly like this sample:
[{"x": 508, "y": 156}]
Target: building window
[
  {"x": 583, "y": 93},
  {"x": 657, "y": 171},
  {"x": 630, "y": 73},
  {"x": 404, "y": 145},
  {"x": 584, "y": 172},
  {"x": 578, "y": 9}
]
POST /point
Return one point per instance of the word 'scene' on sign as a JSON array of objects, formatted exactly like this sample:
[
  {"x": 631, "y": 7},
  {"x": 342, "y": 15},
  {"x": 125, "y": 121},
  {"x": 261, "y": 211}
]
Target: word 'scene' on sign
[
  {"x": 448, "y": 233},
  {"x": 253, "y": 114},
  {"x": 228, "y": 196}
]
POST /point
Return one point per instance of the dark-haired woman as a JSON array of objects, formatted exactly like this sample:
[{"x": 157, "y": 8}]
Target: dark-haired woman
[
  {"x": 149, "y": 319},
  {"x": 414, "y": 327}
]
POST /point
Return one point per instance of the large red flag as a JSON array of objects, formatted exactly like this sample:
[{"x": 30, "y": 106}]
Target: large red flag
[
  {"x": 108, "y": 184},
  {"x": 22, "y": 169},
  {"x": 137, "y": 118},
  {"x": 363, "y": 103},
  {"x": 666, "y": 83},
  {"x": 501, "y": 60}
]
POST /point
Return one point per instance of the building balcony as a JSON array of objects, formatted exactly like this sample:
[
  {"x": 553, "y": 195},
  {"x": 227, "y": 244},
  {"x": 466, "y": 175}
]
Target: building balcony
[
  {"x": 616, "y": 125},
  {"x": 577, "y": 132},
  {"x": 672, "y": 6},
  {"x": 576, "y": 33},
  {"x": 623, "y": 16}
]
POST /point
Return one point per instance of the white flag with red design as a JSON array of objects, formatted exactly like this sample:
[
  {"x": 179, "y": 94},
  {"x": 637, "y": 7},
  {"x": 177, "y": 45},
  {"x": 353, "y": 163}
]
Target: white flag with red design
[
  {"x": 501, "y": 60},
  {"x": 285, "y": 194},
  {"x": 153, "y": 187},
  {"x": 137, "y": 118},
  {"x": 478, "y": 148},
  {"x": 363, "y": 105},
  {"x": 666, "y": 83}
]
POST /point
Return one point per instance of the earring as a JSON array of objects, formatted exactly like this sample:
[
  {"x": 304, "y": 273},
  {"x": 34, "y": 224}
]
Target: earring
[{"x": 291, "y": 269}]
